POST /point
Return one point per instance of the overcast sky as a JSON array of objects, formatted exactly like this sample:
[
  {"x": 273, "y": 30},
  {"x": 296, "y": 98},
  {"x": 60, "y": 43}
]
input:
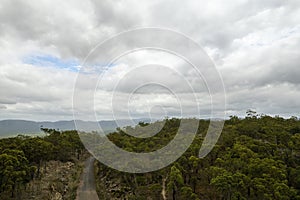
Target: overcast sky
[{"x": 255, "y": 46}]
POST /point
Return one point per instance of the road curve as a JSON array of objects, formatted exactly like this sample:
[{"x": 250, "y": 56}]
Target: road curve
[{"x": 87, "y": 187}]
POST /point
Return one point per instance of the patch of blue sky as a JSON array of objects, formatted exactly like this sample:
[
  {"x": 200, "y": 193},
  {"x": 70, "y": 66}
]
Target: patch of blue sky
[
  {"x": 52, "y": 61},
  {"x": 45, "y": 60}
]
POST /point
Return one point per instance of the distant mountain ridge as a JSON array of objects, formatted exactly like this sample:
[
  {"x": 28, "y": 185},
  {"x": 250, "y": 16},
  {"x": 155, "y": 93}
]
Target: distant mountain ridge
[{"x": 14, "y": 127}]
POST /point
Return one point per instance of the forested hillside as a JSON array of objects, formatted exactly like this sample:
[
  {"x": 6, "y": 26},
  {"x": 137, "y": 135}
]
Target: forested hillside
[
  {"x": 25, "y": 164},
  {"x": 257, "y": 157}
]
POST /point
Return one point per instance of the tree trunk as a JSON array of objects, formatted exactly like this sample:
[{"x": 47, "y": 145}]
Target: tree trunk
[
  {"x": 13, "y": 190},
  {"x": 248, "y": 193},
  {"x": 174, "y": 194},
  {"x": 163, "y": 192},
  {"x": 39, "y": 169}
]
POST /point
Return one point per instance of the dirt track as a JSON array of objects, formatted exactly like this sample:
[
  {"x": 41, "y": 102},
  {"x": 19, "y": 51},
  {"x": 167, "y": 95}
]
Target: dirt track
[{"x": 87, "y": 187}]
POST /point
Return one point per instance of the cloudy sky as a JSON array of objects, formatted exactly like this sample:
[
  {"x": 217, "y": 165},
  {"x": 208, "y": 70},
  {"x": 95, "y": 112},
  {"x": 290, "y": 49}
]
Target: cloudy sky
[{"x": 44, "y": 44}]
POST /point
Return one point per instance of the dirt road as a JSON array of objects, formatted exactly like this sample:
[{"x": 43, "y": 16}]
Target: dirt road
[{"x": 87, "y": 188}]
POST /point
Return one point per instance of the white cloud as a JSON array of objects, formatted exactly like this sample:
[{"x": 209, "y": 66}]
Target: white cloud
[{"x": 255, "y": 45}]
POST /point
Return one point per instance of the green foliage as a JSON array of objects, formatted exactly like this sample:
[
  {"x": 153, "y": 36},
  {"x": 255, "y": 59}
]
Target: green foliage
[
  {"x": 14, "y": 170},
  {"x": 22, "y": 157},
  {"x": 175, "y": 181},
  {"x": 257, "y": 157}
]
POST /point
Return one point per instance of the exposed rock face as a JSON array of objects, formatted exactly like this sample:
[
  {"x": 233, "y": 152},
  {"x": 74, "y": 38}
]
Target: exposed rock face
[{"x": 58, "y": 181}]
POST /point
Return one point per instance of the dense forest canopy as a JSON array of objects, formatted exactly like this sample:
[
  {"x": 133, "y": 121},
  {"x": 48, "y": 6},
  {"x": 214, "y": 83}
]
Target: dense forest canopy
[{"x": 257, "y": 157}]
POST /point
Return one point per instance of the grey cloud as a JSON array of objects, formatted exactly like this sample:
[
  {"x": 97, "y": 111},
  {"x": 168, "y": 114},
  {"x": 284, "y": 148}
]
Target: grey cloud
[
  {"x": 75, "y": 28},
  {"x": 7, "y": 101},
  {"x": 2, "y": 107},
  {"x": 267, "y": 65},
  {"x": 117, "y": 16},
  {"x": 72, "y": 28},
  {"x": 259, "y": 63},
  {"x": 45, "y": 23},
  {"x": 217, "y": 25},
  {"x": 277, "y": 100}
]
